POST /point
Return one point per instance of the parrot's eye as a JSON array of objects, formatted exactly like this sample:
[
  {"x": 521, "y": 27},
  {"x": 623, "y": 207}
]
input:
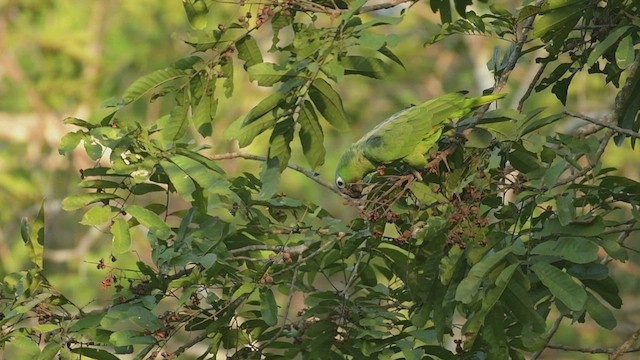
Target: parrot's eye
[{"x": 340, "y": 183}]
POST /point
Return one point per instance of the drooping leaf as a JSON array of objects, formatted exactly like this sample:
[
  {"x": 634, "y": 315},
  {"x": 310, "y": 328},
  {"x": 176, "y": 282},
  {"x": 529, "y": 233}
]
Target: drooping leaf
[
  {"x": 248, "y": 51},
  {"x": 150, "y": 220},
  {"x": 311, "y": 136},
  {"x": 561, "y": 285},
  {"x": 365, "y": 66},
  {"x": 468, "y": 287},
  {"x": 69, "y": 142},
  {"x": 75, "y": 202},
  {"x": 268, "y": 306},
  {"x": 121, "y": 241},
  {"x": 178, "y": 121},
  {"x": 605, "y": 44},
  {"x": 151, "y": 81},
  {"x": 179, "y": 179},
  {"x": 279, "y": 142},
  {"x": 600, "y": 313},
  {"x": 329, "y": 104}
]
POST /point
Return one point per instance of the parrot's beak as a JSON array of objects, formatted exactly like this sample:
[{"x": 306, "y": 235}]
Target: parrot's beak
[{"x": 354, "y": 191}]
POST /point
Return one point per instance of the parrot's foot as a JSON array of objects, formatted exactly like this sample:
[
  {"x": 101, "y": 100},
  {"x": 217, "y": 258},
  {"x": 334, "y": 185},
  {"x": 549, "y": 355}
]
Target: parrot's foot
[{"x": 434, "y": 165}]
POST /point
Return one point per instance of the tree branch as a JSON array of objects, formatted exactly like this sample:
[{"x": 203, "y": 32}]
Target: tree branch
[
  {"x": 625, "y": 347},
  {"x": 588, "y": 350},
  {"x": 552, "y": 331},
  {"x": 306, "y": 172},
  {"x": 604, "y": 124},
  {"x": 522, "y": 38},
  {"x": 313, "y": 7}
]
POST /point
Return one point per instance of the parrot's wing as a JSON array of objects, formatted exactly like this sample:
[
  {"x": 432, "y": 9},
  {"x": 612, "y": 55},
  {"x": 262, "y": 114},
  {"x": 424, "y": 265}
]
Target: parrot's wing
[{"x": 399, "y": 135}]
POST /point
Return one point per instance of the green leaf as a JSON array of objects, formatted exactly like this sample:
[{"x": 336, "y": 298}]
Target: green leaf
[
  {"x": 535, "y": 124},
  {"x": 468, "y": 287},
  {"x": 98, "y": 354},
  {"x": 79, "y": 122},
  {"x": 69, "y": 142},
  {"x": 196, "y": 13},
  {"x": 489, "y": 301},
  {"x": 20, "y": 347},
  {"x": 365, "y": 66},
  {"x": 575, "y": 249},
  {"x": 150, "y": 81},
  {"x": 279, "y": 143},
  {"x": 130, "y": 337},
  {"x": 268, "y": 307},
  {"x": 33, "y": 237},
  {"x": 600, "y": 313},
  {"x": 605, "y": 44},
  {"x": 99, "y": 215},
  {"x": 179, "y": 179},
  {"x": 561, "y": 285},
  {"x": 121, "y": 241},
  {"x": 204, "y": 113},
  {"x": 565, "y": 209},
  {"x": 329, "y": 104},
  {"x": 266, "y": 74},
  {"x": 256, "y": 121},
  {"x": 178, "y": 121},
  {"x": 50, "y": 351},
  {"x": 270, "y": 178},
  {"x": 248, "y": 51},
  {"x": 592, "y": 228},
  {"x": 149, "y": 219},
  {"x": 75, "y": 202},
  {"x": 625, "y": 54},
  {"x": 311, "y": 136}
]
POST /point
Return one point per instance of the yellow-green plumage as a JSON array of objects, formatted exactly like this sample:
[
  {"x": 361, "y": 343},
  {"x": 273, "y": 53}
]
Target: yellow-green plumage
[{"x": 406, "y": 137}]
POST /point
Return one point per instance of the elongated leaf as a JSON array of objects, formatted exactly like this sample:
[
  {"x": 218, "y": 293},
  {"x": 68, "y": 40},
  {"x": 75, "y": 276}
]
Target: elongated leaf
[
  {"x": 329, "y": 104},
  {"x": 75, "y": 202},
  {"x": 468, "y": 287},
  {"x": 149, "y": 219},
  {"x": 248, "y": 51},
  {"x": 98, "y": 354},
  {"x": 266, "y": 74},
  {"x": 151, "y": 81},
  {"x": 179, "y": 179},
  {"x": 279, "y": 143},
  {"x": 204, "y": 113},
  {"x": 176, "y": 126},
  {"x": 203, "y": 175},
  {"x": 488, "y": 302},
  {"x": 561, "y": 285},
  {"x": 311, "y": 136},
  {"x": 246, "y": 133},
  {"x": 365, "y": 66},
  {"x": 600, "y": 313},
  {"x": 575, "y": 249},
  {"x": 121, "y": 241},
  {"x": 33, "y": 237},
  {"x": 268, "y": 307},
  {"x": 605, "y": 44},
  {"x": 270, "y": 178}
]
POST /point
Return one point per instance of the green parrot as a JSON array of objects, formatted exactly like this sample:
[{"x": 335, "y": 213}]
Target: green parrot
[{"x": 404, "y": 137}]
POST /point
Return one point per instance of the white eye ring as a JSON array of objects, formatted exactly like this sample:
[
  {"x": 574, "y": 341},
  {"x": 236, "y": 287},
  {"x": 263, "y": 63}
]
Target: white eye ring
[{"x": 340, "y": 183}]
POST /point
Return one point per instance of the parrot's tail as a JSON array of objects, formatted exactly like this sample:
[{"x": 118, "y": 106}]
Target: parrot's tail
[{"x": 486, "y": 99}]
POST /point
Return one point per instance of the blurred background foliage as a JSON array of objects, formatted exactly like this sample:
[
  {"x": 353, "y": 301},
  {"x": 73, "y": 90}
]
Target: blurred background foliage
[{"x": 61, "y": 58}]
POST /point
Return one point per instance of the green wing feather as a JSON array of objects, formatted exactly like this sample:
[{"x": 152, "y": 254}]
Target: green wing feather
[
  {"x": 400, "y": 135},
  {"x": 406, "y": 135}
]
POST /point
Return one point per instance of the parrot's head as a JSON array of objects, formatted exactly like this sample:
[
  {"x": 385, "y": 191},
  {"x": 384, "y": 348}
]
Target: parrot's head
[{"x": 349, "y": 174}]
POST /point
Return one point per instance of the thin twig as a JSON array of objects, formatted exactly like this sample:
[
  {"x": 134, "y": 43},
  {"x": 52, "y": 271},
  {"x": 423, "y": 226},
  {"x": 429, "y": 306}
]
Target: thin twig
[
  {"x": 552, "y": 331},
  {"x": 522, "y": 39},
  {"x": 624, "y": 348},
  {"x": 291, "y": 250},
  {"x": 604, "y": 124},
  {"x": 306, "y": 172},
  {"x": 588, "y": 350},
  {"x": 532, "y": 85}
]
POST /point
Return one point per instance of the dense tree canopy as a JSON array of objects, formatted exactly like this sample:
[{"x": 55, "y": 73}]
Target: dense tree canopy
[{"x": 513, "y": 228}]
